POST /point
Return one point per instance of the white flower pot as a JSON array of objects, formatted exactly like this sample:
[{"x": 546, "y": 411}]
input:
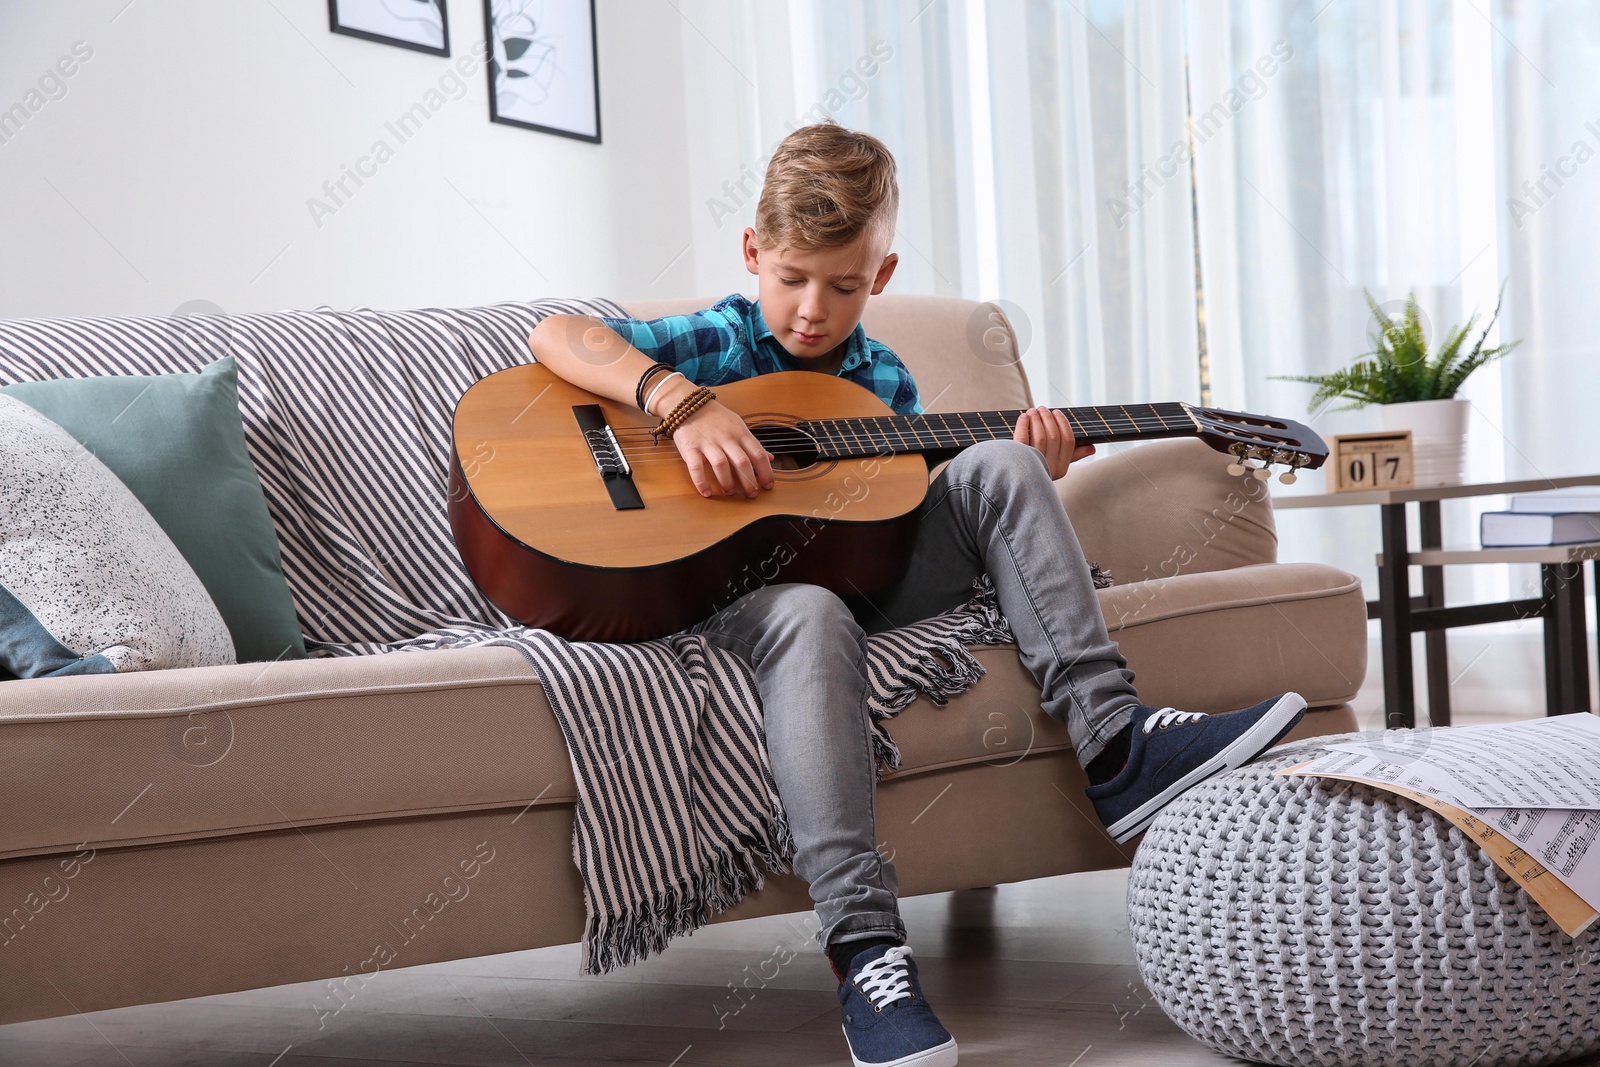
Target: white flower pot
[{"x": 1438, "y": 437}]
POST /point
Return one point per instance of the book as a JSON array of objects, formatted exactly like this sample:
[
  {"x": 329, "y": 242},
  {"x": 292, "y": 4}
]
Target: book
[
  {"x": 1513, "y": 529},
  {"x": 1558, "y": 501}
]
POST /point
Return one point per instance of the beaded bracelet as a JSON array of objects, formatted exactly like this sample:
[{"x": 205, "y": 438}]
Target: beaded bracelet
[
  {"x": 638, "y": 390},
  {"x": 673, "y": 427},
  {"x": 686, "y": 407}
]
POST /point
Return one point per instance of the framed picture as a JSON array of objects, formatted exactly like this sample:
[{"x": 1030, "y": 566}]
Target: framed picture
[
  {"x": 544, "y": 73},
  {"x": 418, "y": 24}
]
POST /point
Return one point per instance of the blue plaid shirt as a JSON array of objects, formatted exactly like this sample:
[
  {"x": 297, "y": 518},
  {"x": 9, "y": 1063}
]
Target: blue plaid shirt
[{"x": 730, "y": 341}]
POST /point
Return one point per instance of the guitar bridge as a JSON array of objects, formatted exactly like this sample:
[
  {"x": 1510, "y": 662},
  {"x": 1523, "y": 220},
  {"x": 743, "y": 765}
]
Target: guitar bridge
[{"x": 608, "y": 458}]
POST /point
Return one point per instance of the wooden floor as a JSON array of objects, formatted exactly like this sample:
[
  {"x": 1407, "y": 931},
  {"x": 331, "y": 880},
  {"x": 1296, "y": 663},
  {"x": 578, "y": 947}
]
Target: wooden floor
[
  {"x": 1034, "y": 973},
  {"x": 1039, "y": 973}
]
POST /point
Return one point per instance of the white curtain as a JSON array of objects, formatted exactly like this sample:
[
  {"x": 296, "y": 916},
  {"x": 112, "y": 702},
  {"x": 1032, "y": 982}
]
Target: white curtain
[
  {"x": 1547, "y": 122},
  {"x": 1434, "y": 147},
  {"x": 1388, "y": 153},
  {"x": 1015, "y": 126}
]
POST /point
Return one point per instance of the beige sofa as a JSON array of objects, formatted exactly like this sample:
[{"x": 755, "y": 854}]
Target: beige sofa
[{"x": 187, "y": 832}]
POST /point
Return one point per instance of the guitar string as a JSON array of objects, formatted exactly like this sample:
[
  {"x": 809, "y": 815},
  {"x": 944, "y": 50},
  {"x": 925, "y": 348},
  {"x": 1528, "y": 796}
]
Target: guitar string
[
  {"x": 915, "y": 442},
  {"x": 1080, "y": 415},
  {"x": 930, "y": 436},
  {"x": 1136, "y": 424},
  {"x": 665, "y": 452},
  {"x": 839, "y": 433},
  {"x": 800, "y": 444},
  {"x": 840, "y": 430},
  {"x": 882, "y": 440}
]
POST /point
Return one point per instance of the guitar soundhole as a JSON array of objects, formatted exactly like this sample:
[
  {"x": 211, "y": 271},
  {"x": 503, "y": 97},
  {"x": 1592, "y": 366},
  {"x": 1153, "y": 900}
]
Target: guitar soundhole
[{"x": 792, "y": 450}]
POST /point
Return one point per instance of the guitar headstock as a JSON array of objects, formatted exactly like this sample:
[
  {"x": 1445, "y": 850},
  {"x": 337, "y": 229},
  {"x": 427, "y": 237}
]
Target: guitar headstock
[{"x": 1252, "y": 439}]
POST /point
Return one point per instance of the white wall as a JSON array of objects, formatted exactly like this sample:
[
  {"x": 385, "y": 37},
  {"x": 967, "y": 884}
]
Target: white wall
[{"x": 178, "y": 163}]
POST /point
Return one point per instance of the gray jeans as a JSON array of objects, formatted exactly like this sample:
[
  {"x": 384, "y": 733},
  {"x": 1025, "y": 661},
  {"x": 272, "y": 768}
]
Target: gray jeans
[{"x": 994, "y": 510}]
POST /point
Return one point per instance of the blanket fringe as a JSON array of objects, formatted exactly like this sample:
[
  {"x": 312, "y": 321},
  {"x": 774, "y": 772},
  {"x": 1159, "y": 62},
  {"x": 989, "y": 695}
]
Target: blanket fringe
[
  {"x": 944, "y": 668},
  {"x": 648, "y": 926}
]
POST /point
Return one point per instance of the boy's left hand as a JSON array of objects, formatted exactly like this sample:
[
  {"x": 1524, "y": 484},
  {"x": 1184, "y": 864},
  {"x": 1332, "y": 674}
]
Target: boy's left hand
[{"x": 1047, "y": 430}]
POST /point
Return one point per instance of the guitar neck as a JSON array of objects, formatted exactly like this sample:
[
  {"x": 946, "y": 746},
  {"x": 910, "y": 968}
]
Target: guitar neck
[{"x": 895, "y": 434}]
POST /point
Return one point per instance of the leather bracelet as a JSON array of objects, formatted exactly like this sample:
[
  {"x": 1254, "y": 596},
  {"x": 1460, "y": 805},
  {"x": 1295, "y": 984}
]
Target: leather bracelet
[
  {"x": 638, "y": 389},
  {"x": 645, "y": 407}
]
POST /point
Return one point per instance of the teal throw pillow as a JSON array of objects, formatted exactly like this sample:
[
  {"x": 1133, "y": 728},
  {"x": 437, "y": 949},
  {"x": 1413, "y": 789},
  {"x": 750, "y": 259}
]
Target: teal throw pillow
[
  {"x": 89, "y": 584},
  {"x": 177, "y": 442}
]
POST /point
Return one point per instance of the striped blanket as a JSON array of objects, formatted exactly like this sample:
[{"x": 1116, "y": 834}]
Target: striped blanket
[{"x": 347, "y": 420}]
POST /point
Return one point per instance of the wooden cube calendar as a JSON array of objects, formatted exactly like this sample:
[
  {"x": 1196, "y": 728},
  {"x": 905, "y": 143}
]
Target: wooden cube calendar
[{"x": 1367, "y": 461}]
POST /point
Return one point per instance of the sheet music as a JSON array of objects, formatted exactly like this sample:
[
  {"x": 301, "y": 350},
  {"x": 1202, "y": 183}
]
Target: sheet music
[
  {"x": 1562, "y": 838},
  {"x": 1543, "y": 763}
]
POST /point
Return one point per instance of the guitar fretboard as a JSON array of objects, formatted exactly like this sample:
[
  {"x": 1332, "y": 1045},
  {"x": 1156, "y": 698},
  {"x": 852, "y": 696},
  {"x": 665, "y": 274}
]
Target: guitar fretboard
[{"x": 841, "y": 438}]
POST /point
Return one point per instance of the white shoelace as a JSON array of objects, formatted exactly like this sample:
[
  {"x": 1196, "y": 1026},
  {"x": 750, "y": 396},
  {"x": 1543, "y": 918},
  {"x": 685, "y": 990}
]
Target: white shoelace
[
  {"x": 1171, "y": 717},
  {"x": 886, "y": 979}
]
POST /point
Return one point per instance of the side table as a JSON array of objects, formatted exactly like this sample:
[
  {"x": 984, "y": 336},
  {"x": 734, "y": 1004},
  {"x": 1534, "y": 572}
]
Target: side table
[{"x": 1561, "y": 603}]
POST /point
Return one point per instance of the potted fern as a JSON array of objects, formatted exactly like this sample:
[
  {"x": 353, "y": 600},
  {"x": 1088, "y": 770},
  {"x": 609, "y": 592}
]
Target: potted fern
[{"x": 1417, "y": 390}]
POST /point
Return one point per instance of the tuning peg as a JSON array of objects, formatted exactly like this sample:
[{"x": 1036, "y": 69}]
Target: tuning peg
[
  {"x": 1262, "y": 473},
  {"x": 1237, "y": 469},
  {"x": 1288, "y": 477}
]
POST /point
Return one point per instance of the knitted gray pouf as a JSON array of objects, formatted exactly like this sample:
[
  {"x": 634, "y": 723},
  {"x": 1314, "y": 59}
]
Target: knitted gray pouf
[{"x": 1295, "y": 921}]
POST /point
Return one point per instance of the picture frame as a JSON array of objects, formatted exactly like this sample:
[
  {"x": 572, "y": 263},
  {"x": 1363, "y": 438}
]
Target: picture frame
[
  {"x": 421, "y": 25},
  {"x": 544, "y": 66}
]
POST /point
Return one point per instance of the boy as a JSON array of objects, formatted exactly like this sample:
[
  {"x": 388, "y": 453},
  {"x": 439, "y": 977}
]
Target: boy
[{"x": 819, "y": 248}]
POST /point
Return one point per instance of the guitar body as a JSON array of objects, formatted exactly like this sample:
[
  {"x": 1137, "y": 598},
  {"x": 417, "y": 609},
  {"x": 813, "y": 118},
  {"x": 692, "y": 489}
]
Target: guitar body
[
  {"x": 542, "y": 534},
  {"x": 571, "y": 518}
]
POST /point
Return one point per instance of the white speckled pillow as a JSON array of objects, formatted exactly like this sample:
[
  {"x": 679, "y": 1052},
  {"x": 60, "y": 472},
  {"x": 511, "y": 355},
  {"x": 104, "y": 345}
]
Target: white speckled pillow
[{"x": 89, "y": 583}]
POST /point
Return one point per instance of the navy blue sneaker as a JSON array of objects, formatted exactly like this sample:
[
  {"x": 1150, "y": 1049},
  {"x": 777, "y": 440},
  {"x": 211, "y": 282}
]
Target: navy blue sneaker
[
  {"x": 1172, "y": 751},
  {"x": 886, "y": 1020}
]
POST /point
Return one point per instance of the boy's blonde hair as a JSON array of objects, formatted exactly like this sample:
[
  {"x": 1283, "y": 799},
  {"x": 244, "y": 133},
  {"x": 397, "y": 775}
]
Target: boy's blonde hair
[{"x": 825, "y": 186}]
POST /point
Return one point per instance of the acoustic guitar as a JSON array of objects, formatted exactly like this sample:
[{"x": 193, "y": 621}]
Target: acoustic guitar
[{"x": 571, "y": 517}]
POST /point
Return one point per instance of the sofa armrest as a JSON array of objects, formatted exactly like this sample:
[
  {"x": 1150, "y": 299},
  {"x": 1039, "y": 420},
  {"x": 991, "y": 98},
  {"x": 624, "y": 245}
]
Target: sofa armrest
[
  {"x": 1225, "y": 639},
  {"x": 1167, "y": 508}
]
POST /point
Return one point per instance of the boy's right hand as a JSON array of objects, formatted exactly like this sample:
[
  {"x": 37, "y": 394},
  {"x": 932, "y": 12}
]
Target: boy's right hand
[{"x": 721, "y": 451}]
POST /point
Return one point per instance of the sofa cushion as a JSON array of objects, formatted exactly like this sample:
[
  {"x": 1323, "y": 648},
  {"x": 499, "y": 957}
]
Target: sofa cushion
[
  {"x": 176, "y": 440},
  {"x": 1220, "y": 640},
  {"x": 89, "y": 584},
  {"x": 217, "y": 751}
]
